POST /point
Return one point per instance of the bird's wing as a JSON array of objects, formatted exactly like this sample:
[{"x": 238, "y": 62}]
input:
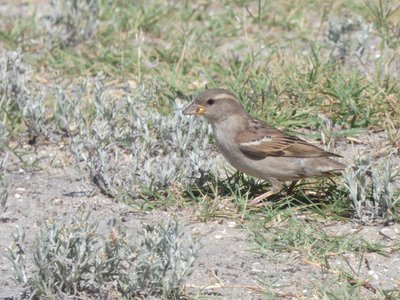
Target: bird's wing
[{"x": 260, "y": 140}]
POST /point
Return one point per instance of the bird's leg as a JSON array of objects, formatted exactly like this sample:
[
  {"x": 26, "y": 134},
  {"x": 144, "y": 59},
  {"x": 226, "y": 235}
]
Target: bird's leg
[
  {"x": 291, "y": 187},
  {"x": 275, "y": 189}
]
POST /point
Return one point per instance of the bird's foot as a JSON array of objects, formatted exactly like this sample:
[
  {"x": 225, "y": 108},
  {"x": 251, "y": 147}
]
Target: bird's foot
[
  {"x": 258, "y": 201},
  {"x": 276, "y": 188},
  {"x": 291, "y": 187}
]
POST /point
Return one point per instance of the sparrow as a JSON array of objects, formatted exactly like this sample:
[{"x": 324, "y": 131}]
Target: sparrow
[{"x": 258, "y": 149}]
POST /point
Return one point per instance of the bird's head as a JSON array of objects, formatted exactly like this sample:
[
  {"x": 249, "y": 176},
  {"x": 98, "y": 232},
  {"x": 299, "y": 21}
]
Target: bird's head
[{"x": 215, "y": 104}]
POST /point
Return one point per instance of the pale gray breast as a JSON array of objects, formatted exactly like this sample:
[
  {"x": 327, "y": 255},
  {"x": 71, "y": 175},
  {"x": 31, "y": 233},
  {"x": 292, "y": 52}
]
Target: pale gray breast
[{"x": 225, "y": 137}]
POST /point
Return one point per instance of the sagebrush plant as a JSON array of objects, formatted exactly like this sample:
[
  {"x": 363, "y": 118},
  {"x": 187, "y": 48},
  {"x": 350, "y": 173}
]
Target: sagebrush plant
[
  {"x": 347, "y": 39},
  {"x": 125, "y": 142},
  {"x": 4, "y": 186},
  {"x": 3, "y": 136},
  {"x": 128, "y": 146},
  {"x": 21, "y": 102},
  {"x": 73, "y": 259},
  {"x": 72, "y": 21},
  {"x": 4, "y": 183},
  {"x": 372, "y": 189}
]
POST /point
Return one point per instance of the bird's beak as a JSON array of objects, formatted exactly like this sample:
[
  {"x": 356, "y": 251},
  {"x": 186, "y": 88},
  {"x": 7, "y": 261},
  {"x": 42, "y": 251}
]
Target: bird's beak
[{"x": 195, "y": 109}]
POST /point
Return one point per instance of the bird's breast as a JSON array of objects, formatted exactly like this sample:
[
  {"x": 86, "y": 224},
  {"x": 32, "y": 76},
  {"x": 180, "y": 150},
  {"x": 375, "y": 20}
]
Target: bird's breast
[{"x": 226, "y": 141}]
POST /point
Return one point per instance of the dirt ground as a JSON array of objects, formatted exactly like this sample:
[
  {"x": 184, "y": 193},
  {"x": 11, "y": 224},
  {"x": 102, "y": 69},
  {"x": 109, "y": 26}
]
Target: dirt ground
[{"x": 226, "y": 266}]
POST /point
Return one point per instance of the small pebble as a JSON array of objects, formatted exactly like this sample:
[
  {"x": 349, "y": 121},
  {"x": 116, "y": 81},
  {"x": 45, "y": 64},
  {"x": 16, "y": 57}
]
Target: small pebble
[
  {"x": 373, "y": 274},
  {"x": 231, "y": 224}
]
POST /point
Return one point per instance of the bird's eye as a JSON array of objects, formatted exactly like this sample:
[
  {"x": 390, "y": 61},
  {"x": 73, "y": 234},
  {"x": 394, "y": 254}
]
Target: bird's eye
[{"x": 210, "y": 101}]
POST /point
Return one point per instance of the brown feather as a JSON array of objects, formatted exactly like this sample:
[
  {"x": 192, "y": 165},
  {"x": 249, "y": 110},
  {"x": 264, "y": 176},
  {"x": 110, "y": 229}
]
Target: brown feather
[{"x": 260, "y": 140}]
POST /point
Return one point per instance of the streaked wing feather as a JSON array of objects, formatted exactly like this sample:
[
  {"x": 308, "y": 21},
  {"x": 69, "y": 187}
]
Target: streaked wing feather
[{"x": 260, "y": 140}]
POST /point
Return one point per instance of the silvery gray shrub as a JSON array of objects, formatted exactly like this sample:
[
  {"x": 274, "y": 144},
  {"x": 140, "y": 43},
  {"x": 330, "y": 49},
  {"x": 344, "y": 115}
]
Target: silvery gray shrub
[
  {"x": 20, "y": 99},
  {"x": 372, "y": 188},
  {"x": 128, "y": 146},
  {"x": 125, "y": 143},
  {"x": 72, "y": 21},
  {"x": 347, "y": 38},
  {"x": 73, "y": 258},
  {"x": 4, "y": 184}
]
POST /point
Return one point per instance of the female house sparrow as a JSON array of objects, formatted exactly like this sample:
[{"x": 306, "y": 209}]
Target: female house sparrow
[{"x": 258, "y": 149}]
